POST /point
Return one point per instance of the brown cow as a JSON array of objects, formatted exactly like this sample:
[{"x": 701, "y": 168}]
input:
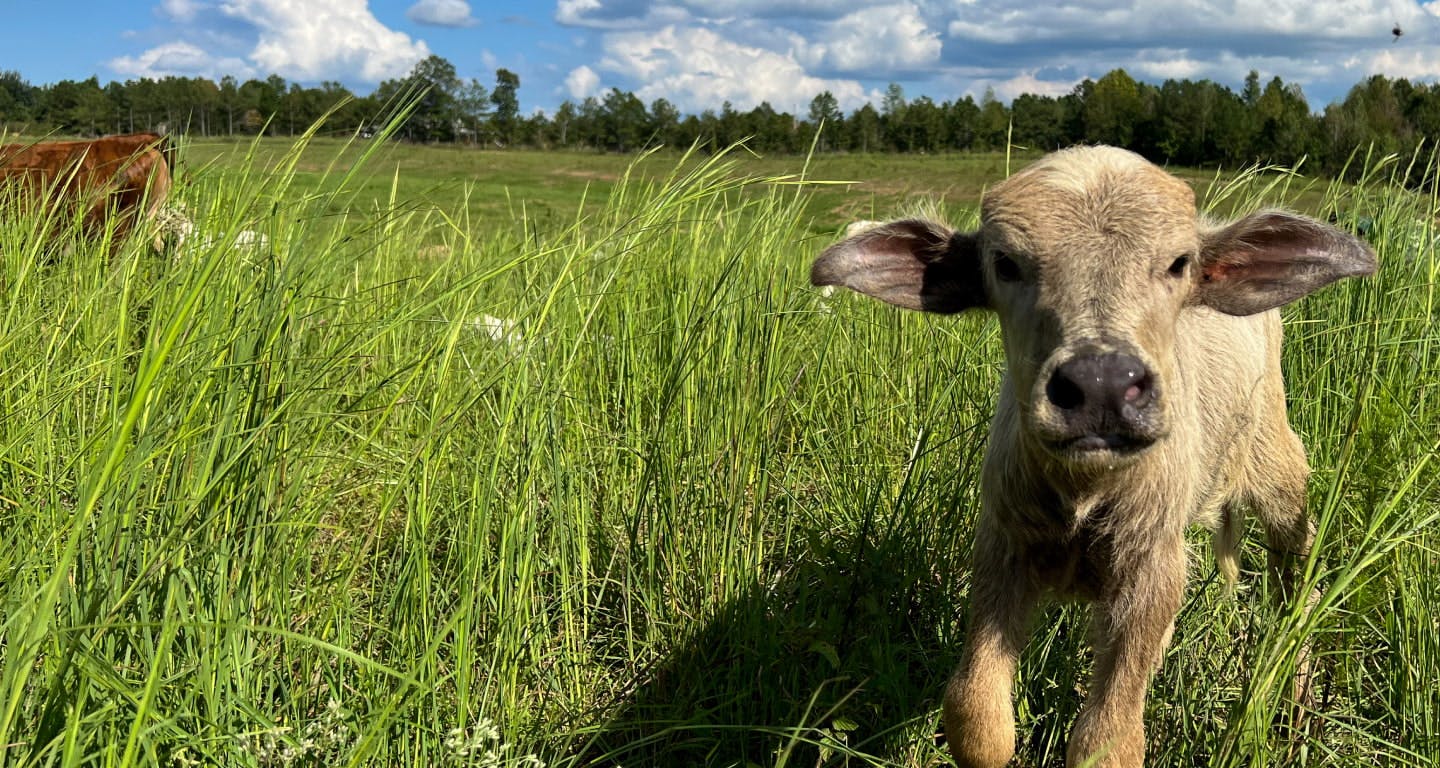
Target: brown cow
[
  {"x": 1142, "y": 393},
  {"x": 120, "y": 177}
]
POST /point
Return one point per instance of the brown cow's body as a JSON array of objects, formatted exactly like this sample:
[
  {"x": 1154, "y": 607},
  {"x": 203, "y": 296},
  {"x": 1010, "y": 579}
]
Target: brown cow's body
[{"x": 126, "y": 177}]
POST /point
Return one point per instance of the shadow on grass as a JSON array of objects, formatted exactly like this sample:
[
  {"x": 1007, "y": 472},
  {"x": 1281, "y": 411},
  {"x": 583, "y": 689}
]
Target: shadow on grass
[{"x": 848, "y": 646}]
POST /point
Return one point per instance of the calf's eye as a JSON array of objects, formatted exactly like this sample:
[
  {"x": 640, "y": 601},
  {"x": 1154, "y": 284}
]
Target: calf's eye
[
  {"x": 1177, "y": 267},
  {"x": 1006, "y": 270}
]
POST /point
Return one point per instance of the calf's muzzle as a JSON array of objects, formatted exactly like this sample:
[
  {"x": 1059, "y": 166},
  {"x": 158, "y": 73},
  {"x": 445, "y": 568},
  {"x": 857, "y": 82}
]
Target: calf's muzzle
[{"x": 1106, "y": 402}]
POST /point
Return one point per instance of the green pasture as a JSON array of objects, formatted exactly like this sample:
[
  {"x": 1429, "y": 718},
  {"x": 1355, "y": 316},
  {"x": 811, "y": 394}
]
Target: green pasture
[
  {"x": 551, "y": 188},
  {"x": 509, "y": 459}
]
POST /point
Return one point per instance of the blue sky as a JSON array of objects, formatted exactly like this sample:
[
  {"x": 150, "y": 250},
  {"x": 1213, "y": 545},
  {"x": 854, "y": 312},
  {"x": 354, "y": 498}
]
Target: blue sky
[{"x": 699, "y": 53}]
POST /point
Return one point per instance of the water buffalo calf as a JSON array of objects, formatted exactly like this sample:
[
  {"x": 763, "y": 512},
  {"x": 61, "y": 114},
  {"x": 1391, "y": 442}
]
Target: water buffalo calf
[{"x": 1142, "y": 393}]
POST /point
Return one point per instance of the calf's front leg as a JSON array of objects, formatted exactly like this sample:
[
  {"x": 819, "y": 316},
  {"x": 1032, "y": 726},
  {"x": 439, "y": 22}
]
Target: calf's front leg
[
  {"x": 979, "y": 711},
  {"x": 1131, "y": 626}
]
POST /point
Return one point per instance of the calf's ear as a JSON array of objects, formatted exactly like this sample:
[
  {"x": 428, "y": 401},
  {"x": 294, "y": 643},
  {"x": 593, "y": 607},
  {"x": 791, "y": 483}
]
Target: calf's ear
[
  {"x": 912, "y": 263},
  {"x": 1271, "y": 258}
]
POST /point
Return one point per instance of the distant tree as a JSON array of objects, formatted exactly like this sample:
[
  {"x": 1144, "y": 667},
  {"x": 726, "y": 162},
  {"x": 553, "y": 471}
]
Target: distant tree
[
  {"x": 1114, "y": 110},
  {"x": 1422, "y": 110},
  {"x": 347, "y": 111},
  {"x": 1039, "y": 121},
  {"x": 507, "y": 104},
  {"x": 1251, "y": 94},
  {"x": 589, "y": 129},
  {"x": 260, "y": 100},
  {"x": 767, "y": 127},
  {"x": 1371, "y": 118},
  {"x": 894, "y": 100},
  {"x": 92, "y": 112},
  {"x": 993, "y": 127},
  {"x": 864, "y": 129},
  {"x": 624, "y": 120},
  {"x": 826, "y": 117},
  {"x": 229, "y": 102},
  {"x": 118, "y": 95},
  {"x": 963, "y": 120},
  {"x": 472, "y": 107},
  {"x": 729, "y": 128},
  {"x": 561, "y": 124},
  {"x": 1286, "y": 131},
  {"x": 435, "y": 85},
  {"x": 664, "y": 120},
  {"x": 18, "y": 99},
  {"x": 892, "y": 118},
  {"x": 303, "y": 106},
  {"x": 271, "y": 99},
  {"x": 691, "y": 133},
  {"x": 924, "y": 125},
  {"x": 204, "y": 102}
]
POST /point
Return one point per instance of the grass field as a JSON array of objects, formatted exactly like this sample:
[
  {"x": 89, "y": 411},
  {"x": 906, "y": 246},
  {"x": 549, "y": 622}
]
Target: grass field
[
  {"x": 550, "y": 188},
  {"x": 494, "y": 459}
]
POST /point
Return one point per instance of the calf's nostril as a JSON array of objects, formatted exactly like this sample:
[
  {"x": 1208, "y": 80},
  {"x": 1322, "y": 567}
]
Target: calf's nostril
[
  {"x": 1141, "y": 387},
  {"x": 1064, "y": 393}
]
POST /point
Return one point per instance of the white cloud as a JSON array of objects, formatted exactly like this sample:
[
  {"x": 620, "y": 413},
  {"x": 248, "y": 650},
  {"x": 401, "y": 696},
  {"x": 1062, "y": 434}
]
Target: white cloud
[
  {"x": 325, "y": 39},
  {"x": 1027, "y": 82},
  {"x": 697, "y": 69},
  {"x": 1208, "y": 23},
  {"x": 1415, "y": 62},
  {"x": 627, "y": 14},
  {"x": 699, "y": 53},
  {"x": 441, "y": 13},
  {"x": 1171, "y": 65},
  {"x": 875, "y": 40},
  {"x": 182, "y": 59},
  {"x": 581, "y": 82},
  {"x": 180, "y": 10}
]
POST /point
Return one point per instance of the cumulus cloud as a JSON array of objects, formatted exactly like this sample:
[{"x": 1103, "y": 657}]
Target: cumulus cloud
[
  {"x": 881, "y": 38},
  {"x": 183, "y": 59},
  {"x": 304, "y": 40},
  {"x": 325, "y": 39},
  {"x": 1416, "y": 62},
  {"x": 696, "y": 68},
  {"x": 619, "y": 14},
  {"x": 1323, "y": 45},
  {"x": 180, "y": 10},
  {"x": 441, "y": 13},
  {"x": 582, "y": 82},
  {"x": 1013, "y": 46},
  {"x": 1027, "y": 82},
  {"x": 1212, "y": 24}
]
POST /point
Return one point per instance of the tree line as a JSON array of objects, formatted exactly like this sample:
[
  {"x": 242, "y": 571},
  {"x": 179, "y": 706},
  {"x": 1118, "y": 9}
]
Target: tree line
[{"x": 1187, "y": 122}]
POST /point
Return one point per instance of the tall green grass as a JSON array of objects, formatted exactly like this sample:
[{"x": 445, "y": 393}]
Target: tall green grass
[{"x": 613, "y": 490}]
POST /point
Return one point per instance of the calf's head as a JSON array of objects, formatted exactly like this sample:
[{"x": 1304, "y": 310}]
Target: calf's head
[{"x": 1089, "y": 257}]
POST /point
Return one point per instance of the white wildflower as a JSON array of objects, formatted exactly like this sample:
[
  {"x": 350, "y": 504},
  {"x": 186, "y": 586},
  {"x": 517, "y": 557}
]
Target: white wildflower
[
  {"x": 499, "y": 329},
  {"x": 863, "y": 225},
  {"x": 483, "y": 745}
]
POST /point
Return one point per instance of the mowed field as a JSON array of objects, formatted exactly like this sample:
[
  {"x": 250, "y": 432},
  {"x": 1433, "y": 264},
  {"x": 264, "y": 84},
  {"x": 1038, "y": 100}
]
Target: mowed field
[{"x": 507, "y": 459}]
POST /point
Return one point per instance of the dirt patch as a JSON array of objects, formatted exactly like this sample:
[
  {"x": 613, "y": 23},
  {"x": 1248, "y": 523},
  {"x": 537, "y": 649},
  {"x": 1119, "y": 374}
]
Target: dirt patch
[{"x": 586, "y": 174}]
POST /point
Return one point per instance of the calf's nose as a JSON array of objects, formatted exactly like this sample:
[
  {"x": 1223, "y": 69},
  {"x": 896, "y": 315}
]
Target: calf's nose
[{"x": 1101, "y": 387}]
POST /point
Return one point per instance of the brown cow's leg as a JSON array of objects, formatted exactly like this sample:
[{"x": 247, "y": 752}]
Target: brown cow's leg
[
  {"x": 979, "y": 712},
  {"x": 1131, "y": 626}
]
